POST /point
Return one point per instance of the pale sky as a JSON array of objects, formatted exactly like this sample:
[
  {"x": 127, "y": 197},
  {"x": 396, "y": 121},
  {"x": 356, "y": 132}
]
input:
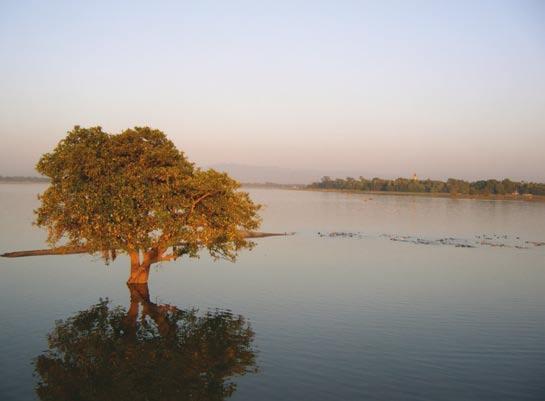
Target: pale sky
[{"x": 383, "y": 88}]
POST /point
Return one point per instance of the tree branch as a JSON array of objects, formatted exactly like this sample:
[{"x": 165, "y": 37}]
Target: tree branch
[
  {"x": 68, "y": 250},
  {"x": 167, "y": 258}
]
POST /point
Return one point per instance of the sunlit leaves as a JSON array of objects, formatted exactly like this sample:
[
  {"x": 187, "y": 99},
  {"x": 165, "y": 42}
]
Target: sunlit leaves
[{"x": 136, "y": 191}]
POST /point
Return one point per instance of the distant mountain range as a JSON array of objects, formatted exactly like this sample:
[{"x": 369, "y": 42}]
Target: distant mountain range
[
  {"x": 279, "y": 175},
  {"x": 241, "y": 172}
]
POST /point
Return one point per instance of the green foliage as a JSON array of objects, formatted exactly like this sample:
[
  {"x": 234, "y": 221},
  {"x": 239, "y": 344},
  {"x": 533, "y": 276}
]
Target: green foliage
[
  {"x": 135, "y": 192},
  {"x": 452, "y": 186},
  {"x": 163, "y": 353}
]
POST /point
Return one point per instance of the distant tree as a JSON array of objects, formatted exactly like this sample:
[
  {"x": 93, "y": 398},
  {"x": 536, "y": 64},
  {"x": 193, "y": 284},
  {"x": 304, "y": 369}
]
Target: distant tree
[
  {"x": 509, "y": 186},
  {"x": 150, "y": 352},
  {"x": 136, "y": 193},
  {"x": 350, "y": 183},
  {"x": 455, "y": 186}
]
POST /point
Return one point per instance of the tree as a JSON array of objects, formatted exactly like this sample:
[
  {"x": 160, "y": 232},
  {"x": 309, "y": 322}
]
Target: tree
[
  {"x": 148, "y": 352},
  {"x": 136, "y": 193}
]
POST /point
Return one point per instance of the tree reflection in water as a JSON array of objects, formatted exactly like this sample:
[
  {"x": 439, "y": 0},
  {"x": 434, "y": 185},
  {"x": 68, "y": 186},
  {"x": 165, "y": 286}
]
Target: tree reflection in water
[{"x": 150, "y": 352}]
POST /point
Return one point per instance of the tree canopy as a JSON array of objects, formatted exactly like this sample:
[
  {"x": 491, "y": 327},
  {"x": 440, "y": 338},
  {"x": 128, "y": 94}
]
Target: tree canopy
[{"x": 135, "y": 192}]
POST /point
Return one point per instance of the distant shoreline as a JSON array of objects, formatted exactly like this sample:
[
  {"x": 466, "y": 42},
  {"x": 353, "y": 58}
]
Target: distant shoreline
[
  {"x": 524, "y": 198},
  {"x": 302, "y": 187}
]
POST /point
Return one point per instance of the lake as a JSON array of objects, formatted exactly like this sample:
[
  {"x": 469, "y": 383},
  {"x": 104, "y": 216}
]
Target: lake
[{"x": 376, "y": 297}]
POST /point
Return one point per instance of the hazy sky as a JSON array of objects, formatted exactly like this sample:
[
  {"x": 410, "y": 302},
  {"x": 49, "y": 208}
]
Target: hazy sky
[{"x": 381, "y": 88}]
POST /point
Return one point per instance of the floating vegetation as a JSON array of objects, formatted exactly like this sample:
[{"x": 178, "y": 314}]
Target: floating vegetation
[
  {"x": 483, "y": 240},
  {"x": 536, "y": 243},
  {"x": 341, "y": 234},
  {"x": 451, "y": 241}
]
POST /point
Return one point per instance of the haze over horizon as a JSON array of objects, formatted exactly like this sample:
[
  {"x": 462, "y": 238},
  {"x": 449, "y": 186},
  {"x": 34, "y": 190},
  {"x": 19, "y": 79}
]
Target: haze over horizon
[{"x": 363, "y": 88}]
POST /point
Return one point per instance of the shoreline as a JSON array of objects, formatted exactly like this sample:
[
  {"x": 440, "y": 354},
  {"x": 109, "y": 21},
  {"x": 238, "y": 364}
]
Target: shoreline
[{"x": 517, "y": 198}]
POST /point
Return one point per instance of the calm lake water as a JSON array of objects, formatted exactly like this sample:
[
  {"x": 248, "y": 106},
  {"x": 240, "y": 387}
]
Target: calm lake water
[{"x": 372, "y": 316}]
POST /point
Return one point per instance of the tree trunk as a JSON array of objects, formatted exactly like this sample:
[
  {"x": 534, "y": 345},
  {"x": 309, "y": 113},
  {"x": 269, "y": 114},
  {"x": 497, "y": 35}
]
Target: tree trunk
[
  {"x": 139, "y": 271},
  {"x": 139, "y": 274}
]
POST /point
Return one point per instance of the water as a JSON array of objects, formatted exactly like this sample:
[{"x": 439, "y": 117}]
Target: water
[{"x": 333, "y": 318}]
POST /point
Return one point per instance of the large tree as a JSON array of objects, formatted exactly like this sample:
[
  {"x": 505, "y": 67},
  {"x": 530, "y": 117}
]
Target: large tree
[{"x": 135, "y": 192}]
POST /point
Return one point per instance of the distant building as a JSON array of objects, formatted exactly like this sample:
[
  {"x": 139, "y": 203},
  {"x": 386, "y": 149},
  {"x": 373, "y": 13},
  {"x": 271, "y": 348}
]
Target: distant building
[{"x": 415, "y": 178}]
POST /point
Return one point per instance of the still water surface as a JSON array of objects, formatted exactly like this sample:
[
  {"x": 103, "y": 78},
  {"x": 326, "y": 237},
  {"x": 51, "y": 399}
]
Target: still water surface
[{"x": 320, "y": 317}]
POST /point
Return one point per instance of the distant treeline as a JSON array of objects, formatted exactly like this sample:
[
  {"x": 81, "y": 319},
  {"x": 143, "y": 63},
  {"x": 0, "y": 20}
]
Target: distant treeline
[
  {"x": 23, "y": 179},
  {"x": 451, "y": 186},
  {"x": 273, "y": 185}
]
